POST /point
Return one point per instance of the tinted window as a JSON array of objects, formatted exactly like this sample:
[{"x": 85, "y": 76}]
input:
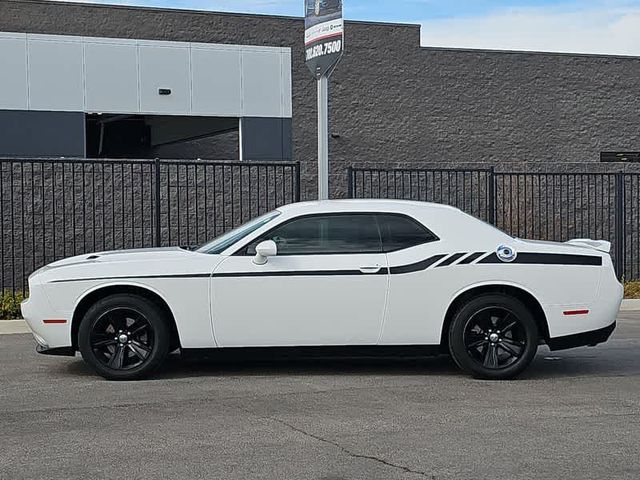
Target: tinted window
[
  {"x": 400, "y": 232},
  {"x": 325, "y": 234}
]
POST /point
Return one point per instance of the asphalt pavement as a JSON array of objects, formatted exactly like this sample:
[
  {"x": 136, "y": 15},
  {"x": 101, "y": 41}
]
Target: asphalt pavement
[{"x": 574, "y": 415}]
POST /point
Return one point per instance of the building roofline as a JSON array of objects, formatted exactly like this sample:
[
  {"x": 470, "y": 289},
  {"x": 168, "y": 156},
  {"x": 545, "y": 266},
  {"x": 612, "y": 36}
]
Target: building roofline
[
  {"x": 199, "y": 12},
  {"x": 528, "y": 52},
  {"x": 300, "y": 19}
]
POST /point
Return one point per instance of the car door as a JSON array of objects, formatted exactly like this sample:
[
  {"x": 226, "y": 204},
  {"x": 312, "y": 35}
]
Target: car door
[{"x": 326, "y": 286}]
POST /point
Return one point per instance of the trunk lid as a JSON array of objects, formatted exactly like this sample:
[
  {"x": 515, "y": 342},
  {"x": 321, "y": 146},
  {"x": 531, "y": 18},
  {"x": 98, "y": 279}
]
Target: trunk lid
[{"x": 600, "y": 245}]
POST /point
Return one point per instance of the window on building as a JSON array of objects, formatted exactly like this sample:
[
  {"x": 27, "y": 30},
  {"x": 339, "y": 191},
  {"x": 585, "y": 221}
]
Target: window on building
[
  {"x": 620, "y": 157},
  {"x": 399, "y": 232},
  {"x": 161, "y": 136}
]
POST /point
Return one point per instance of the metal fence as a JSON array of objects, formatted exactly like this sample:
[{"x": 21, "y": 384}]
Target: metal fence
[
  {"x": 51, "y": 209},
  {"x": 547, "y": 206}
]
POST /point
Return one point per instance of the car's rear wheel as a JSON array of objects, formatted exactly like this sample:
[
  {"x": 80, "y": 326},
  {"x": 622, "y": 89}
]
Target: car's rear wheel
[
  {"x": 493, "y": 337},
  {"x": 124, "y": 337}
]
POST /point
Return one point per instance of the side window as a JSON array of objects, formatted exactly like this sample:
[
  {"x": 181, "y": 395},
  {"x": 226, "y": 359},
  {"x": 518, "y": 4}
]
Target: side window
[
  {"x": 325, "y": 234},
  {"x": 399, "y": 232}
]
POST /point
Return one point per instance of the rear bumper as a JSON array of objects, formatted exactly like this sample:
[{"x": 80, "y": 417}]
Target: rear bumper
[
  {"x": 60, "y": 351},
  {"x": 590, "y": 338}
]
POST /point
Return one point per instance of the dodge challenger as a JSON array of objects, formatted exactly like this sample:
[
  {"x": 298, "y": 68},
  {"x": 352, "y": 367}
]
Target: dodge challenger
[{"x": 359, "y": 276}]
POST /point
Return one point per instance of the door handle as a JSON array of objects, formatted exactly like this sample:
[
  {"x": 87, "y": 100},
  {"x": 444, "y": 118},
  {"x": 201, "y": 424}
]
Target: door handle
[{"x": 371, "y": 269}]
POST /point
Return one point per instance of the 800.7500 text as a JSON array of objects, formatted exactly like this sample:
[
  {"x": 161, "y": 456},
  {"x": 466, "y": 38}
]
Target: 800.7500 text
[{"x": 324, "y": 49}]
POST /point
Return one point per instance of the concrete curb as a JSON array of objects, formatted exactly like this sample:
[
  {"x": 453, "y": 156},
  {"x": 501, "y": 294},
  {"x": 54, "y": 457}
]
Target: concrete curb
[
  {"x": 8, "y": 327},
  {"x": 13, "y": 326},
  {"x": 630, "y": 305}
]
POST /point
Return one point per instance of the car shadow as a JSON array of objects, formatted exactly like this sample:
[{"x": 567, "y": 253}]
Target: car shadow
[
  {"x": 181, "y": 367},
  {"x": 547, "y": 365},
  {"x": 557, "y": 365},
  {"x": 177, "y": 367}
]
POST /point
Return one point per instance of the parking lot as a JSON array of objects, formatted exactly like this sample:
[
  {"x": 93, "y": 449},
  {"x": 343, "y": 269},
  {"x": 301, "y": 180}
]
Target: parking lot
[{"x": 575, "y": 414}]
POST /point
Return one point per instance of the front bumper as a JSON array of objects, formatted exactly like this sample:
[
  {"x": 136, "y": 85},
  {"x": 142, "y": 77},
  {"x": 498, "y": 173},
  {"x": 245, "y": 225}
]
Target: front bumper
[
  {"x": 591, "y": 338},
  {"x": 35, "y": 310}
]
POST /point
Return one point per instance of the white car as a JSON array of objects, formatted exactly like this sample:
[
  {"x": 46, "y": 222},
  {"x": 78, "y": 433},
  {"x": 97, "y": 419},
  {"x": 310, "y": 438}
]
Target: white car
[{"x": 367, "y": 274}]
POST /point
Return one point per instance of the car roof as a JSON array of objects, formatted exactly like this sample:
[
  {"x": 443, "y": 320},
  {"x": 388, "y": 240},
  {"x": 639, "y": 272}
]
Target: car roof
[{"x": 360, "y": 205}]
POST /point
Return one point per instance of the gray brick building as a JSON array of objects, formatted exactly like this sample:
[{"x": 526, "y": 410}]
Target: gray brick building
[{"x": 393, "y": 103}]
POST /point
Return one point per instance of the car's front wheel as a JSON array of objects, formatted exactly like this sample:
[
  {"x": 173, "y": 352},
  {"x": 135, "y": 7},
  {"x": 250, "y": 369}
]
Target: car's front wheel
[
  {"x": 124, "y": 337},
  {"x": 493, "y": 336}
]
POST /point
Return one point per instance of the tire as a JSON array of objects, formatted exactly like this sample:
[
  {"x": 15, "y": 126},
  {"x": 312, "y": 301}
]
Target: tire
[
  {"x": 493, "y": 337},
  {"x": 124, "y": 337}
]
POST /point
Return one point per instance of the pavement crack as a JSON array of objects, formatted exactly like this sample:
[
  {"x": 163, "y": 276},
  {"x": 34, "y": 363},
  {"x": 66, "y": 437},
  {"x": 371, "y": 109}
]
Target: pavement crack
[{"x": 344, "y": 449}]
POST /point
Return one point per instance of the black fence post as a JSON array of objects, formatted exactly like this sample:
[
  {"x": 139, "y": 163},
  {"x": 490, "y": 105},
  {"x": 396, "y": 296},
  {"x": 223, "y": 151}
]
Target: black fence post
[
  {"x": 350, "y": 182},
  {"x": 492, "y": 195},
  {"x": 298, "y": 186},
  {"x": 156, "y": 201},
  {"x": 619, "y": 225}
]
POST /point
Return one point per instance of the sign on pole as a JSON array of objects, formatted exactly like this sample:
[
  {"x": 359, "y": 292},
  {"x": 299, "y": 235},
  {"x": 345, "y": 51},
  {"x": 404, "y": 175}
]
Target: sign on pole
[
  {"x": 323, "y": 35},
  {"x": 324, "y": 44}
]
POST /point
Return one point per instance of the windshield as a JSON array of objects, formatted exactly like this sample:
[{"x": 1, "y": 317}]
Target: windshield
[{"x": 221, "y": 243}]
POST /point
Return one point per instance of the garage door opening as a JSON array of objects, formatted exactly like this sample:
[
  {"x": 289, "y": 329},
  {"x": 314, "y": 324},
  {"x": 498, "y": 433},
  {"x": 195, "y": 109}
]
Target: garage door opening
[{"x": 162, "y": 136}]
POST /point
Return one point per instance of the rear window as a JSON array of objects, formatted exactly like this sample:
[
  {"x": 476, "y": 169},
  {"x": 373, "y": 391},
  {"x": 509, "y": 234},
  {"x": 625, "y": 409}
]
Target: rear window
[{"x": 400, "y": 232}]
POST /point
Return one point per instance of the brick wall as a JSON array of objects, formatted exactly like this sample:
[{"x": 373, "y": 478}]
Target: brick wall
[{"x": 393, "y": 102}]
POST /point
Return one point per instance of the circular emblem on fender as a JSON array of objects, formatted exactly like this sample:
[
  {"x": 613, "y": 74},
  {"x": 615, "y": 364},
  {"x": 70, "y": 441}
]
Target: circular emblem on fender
[{"x": 506, "y": 253}]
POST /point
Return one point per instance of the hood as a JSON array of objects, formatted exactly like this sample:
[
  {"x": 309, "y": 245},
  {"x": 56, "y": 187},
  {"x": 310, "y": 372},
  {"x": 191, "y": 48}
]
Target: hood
[
  {"x": 137, "y": 255},
  {"x": 121, "y": 256},
  {"x": 122, "y": 263}
]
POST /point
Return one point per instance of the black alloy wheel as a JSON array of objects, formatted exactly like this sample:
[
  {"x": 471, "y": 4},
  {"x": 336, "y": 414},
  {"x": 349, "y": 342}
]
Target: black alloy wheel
[
  {"x": 124, "y": 337},
  {"x": 493, "y": 337}
]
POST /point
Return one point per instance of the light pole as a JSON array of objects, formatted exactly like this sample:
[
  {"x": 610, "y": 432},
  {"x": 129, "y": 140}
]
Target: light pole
[
  {"x": 324, "y": 44},
  {"x": 323, "y": 137}
]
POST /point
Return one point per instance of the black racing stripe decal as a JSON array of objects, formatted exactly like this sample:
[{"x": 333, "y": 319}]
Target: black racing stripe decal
[
  {"x": 471, "y": 258},
  {"x": 451, "y": 259},
  {"x": 133, "y": 277},
  {"x": 548, "y": 259},
  {"x": 522, "y": 258},
  {"x": 416, "y": 267},
  {"x": 299, "y": 273},
  {"x": 493, "y": 258}
]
